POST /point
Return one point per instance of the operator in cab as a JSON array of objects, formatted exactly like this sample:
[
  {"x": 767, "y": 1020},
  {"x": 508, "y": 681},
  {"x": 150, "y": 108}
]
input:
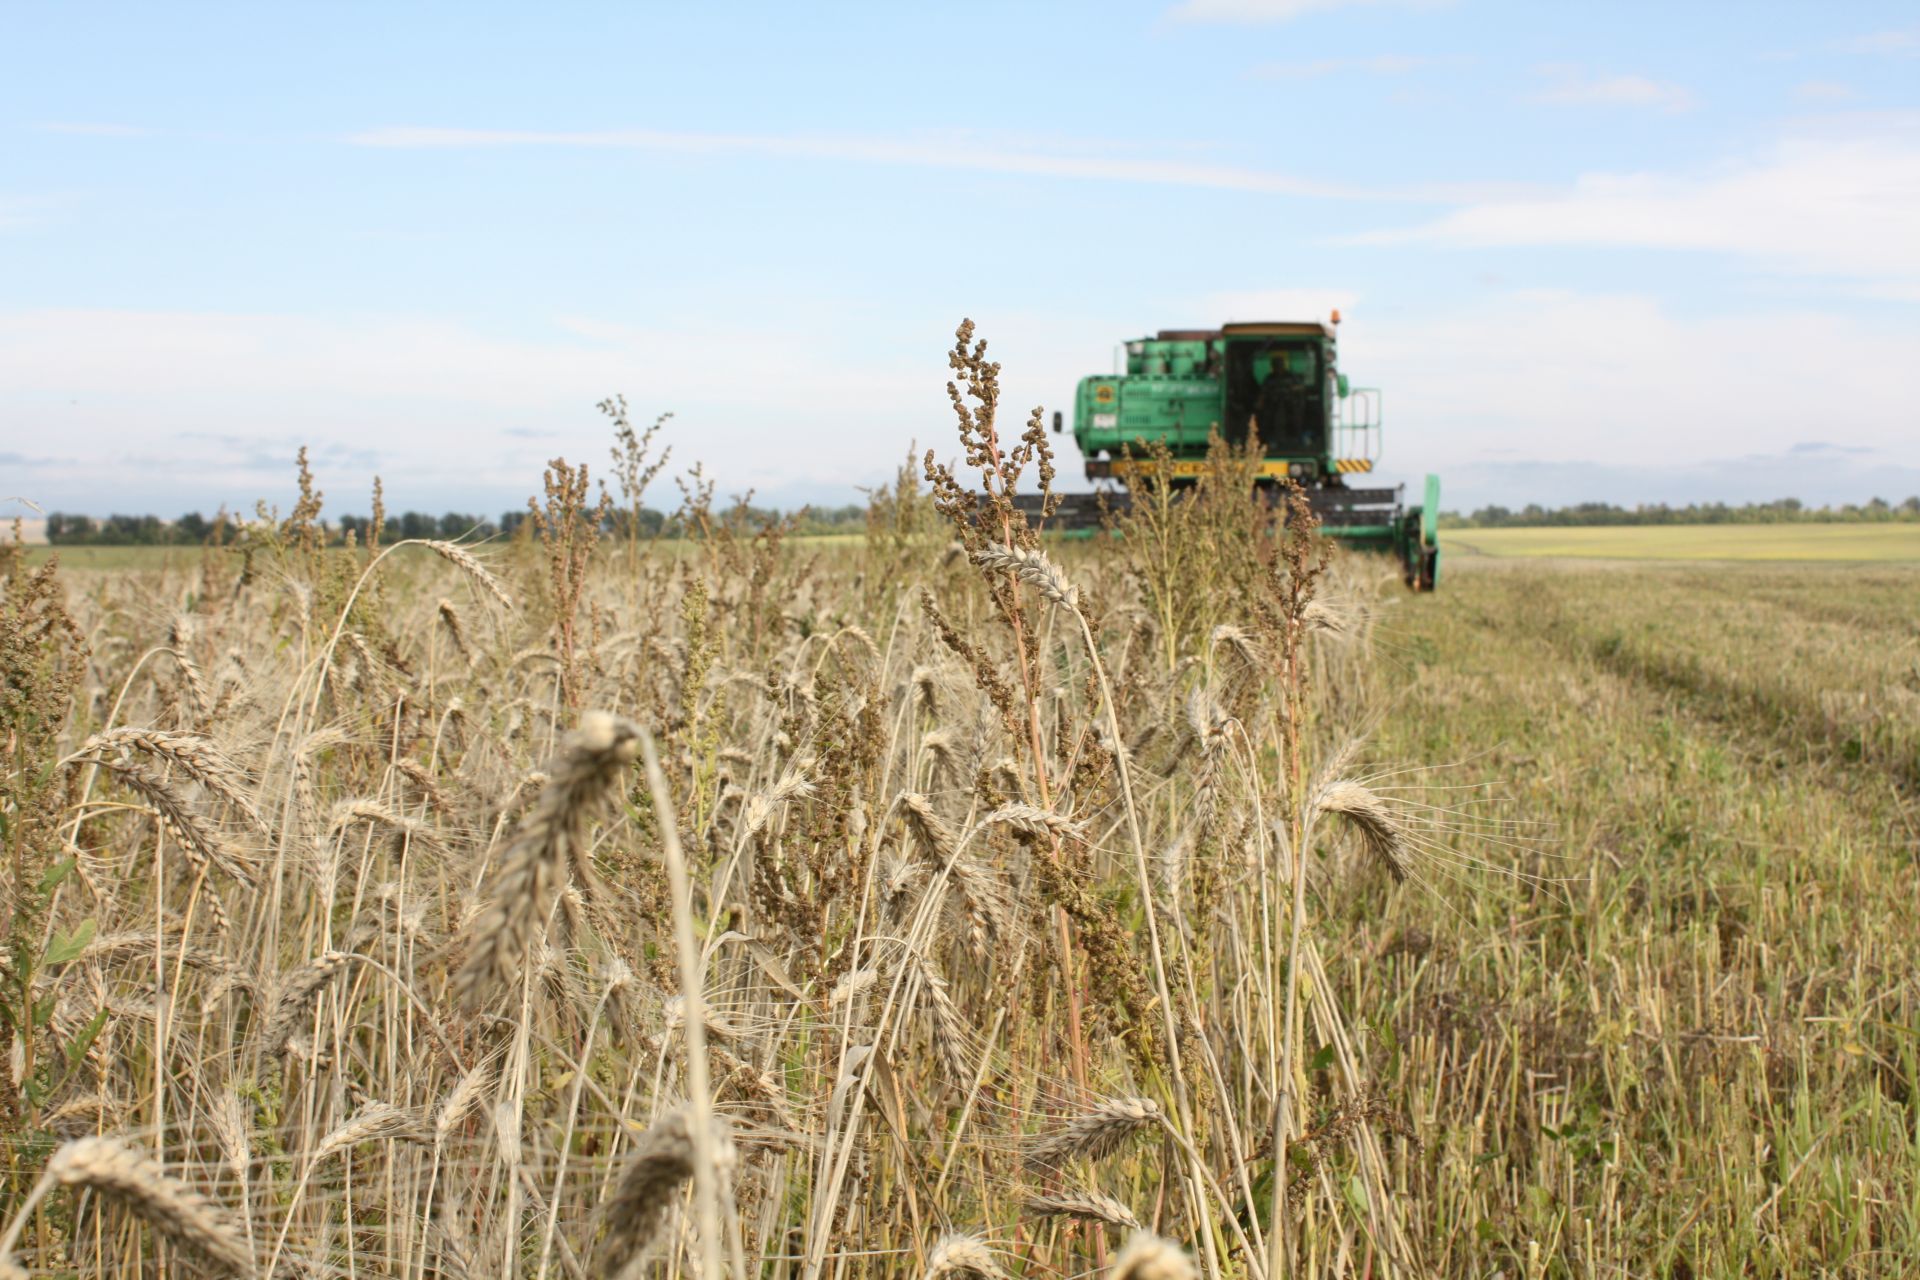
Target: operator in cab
[{"x": 1282, "y": 407}]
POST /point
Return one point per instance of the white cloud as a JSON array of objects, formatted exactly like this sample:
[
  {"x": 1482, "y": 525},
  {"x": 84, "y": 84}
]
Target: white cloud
[
  {"x": 1280, "y": 304},
  {"x": 1571, "y": 86},
  {"x": 936, "y": 154},
  {"x": 1823, "y": 91},
  {"x": 1385, "y": 64},
  {"x": 96, "y": 130},
  {"x": 1260, "y": 11},
  {"x": 1095, "y": 163},
  {"x": 1830, "y": 207},
  {"x": 1902, "y": 43}
]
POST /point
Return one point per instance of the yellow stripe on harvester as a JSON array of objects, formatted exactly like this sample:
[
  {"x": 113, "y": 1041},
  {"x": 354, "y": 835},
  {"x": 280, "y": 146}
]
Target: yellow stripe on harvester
[
  {"x": 1183, "y": 469},
  {"x": 1347, "y": 466}
]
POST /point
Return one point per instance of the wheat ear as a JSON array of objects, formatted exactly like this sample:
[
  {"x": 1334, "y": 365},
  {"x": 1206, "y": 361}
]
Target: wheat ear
[
  {"x": 550, "y": 840},
  {"x": 120, "y": 1172},
  {"x": 962, "y": 1256},
  {"x": 1380, "y": 831},
  {"x": 662, "y": 1162},
  {"x": 470, "y": 564},
  {"x": 1095, "y": 1133},
  {"x": 1090, "y": 1206},
  {"x": 1148, "y": 1257}
]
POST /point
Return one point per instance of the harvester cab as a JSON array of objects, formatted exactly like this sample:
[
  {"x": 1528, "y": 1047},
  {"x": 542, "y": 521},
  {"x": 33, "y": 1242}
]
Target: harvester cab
[{"x": 1277, "y": 383}]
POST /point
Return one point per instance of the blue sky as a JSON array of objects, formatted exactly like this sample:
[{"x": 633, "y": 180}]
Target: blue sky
[{"x": 1623, "y": 252}]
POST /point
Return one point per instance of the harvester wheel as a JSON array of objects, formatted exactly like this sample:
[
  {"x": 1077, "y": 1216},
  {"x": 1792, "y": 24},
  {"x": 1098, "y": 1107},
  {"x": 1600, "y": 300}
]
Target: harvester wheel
[{"x": 1429, "y": 569}]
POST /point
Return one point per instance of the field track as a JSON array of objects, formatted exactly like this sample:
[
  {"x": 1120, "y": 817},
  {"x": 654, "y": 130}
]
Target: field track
[{"x": 1827, "y": 542}]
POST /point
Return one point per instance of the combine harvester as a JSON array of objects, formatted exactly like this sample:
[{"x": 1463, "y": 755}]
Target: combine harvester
[{"x": 1278, "y": 383}]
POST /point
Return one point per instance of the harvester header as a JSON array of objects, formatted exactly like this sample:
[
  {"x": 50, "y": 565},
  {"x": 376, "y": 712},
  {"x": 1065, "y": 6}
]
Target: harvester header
[{"x": 1275, "y": 382}]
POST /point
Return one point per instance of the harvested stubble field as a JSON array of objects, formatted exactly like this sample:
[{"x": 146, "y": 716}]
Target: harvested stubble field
[
  {"x": 1892, "y": 541},
  {"x": 946, "y": 905}
]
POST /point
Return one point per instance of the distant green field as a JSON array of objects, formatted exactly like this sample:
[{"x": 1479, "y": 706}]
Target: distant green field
[
  {"x": 115, "y": 557},
  {"x": 1694, "y": 542}
]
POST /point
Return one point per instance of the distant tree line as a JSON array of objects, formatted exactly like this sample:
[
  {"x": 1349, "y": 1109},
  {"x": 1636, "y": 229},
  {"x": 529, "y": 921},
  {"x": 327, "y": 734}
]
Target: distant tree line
[
  {"x": 193, "y": 529},
  {"x": 1779, "y": 511},
  {"x": 68, "y": 530}
]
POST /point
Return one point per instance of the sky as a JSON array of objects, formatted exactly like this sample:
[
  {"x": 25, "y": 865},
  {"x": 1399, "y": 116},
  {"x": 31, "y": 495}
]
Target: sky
[{"x": 1614, "y": 252}]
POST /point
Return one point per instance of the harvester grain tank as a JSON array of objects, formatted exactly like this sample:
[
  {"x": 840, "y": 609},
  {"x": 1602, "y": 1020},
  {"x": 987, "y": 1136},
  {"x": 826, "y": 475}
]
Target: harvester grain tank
[{"x": 1277, "y": 382}]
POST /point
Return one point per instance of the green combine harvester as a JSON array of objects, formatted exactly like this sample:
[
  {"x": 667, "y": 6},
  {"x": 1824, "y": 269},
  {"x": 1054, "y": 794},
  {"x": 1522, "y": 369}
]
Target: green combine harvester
[{"x": 1277, "y": 382}]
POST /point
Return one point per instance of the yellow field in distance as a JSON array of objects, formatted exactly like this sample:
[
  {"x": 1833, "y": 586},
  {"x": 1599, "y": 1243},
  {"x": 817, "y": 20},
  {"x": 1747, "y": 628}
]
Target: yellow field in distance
[{"x": 1882, "y": 542}]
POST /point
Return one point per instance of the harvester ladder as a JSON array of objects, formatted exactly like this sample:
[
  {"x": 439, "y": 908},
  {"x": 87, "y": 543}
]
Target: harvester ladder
[{"x": 1356, "y": 424}]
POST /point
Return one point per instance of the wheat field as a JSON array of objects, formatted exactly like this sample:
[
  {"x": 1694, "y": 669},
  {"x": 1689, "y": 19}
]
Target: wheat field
[{"x": 1187, "y": 901}]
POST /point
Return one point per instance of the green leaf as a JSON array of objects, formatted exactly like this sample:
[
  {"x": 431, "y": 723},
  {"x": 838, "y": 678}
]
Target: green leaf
[
  {"x": 78, "y": 1046},
  {"x": 55, "y": 874},
  {"x": 1323, "y": 1059},
  {"x": 65, "y": 947},
  {"x": 1356, "y": 1193}
]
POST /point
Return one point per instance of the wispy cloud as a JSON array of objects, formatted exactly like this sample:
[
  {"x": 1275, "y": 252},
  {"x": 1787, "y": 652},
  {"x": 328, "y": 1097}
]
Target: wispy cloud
[
  {"x": 1904, "y": 42},
  {"x": 1823, "y": 91},
  {"x": 20, "y": 211},
  {"x": 1383, "y": 64},
  {"x": 1841, "y": 208},
  {"x": 95, "y": 130},
  {"x": 1263, "y": 11},
  {"x": 1280, "y": 304},
  {"x": 934, "y": 153},
  {"x": 1570, "y": 85}
]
